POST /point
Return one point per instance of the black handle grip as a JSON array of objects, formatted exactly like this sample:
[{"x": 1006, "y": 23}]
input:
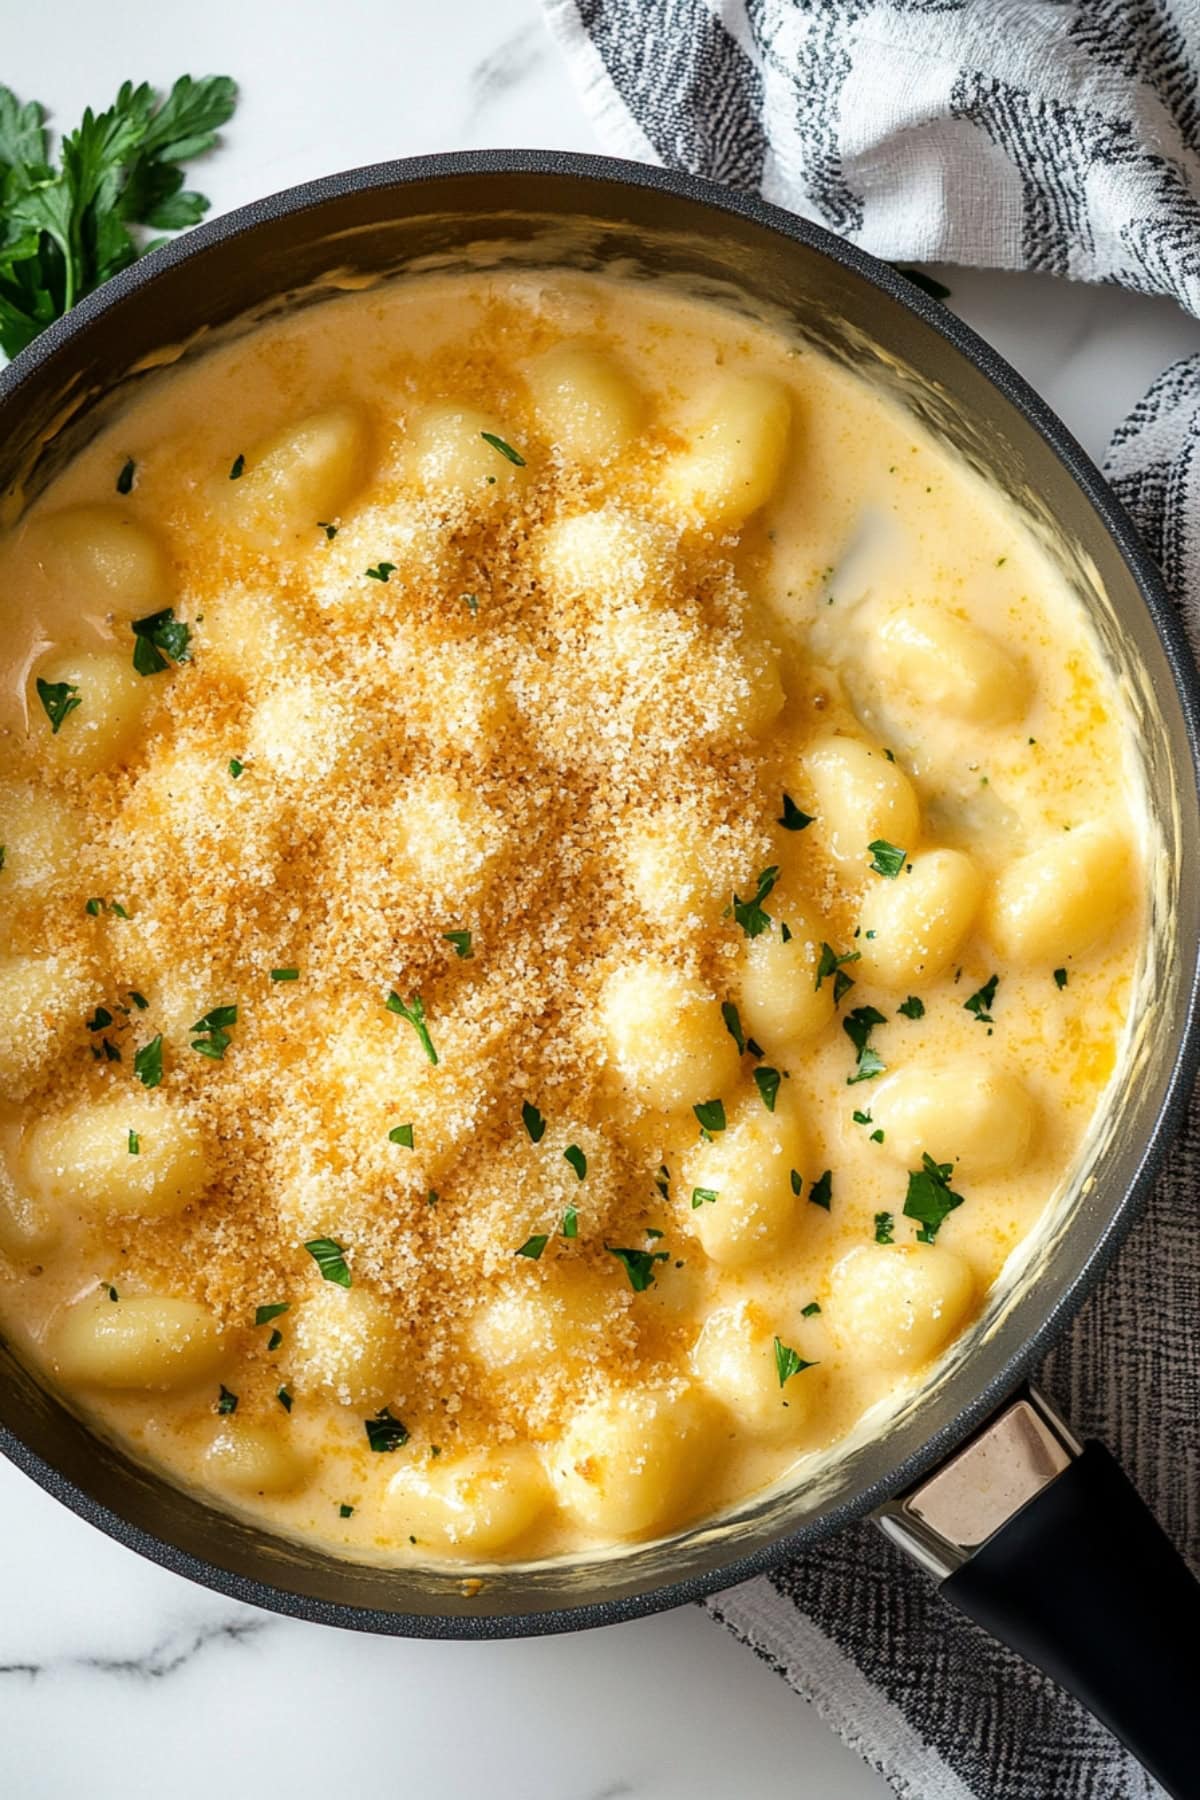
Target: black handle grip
[{"x": 1084, "y": 1583}]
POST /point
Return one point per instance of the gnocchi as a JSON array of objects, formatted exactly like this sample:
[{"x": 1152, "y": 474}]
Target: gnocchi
[
  {"x": 141, "y": 1341},
  {"x": 561, "y": 992}
]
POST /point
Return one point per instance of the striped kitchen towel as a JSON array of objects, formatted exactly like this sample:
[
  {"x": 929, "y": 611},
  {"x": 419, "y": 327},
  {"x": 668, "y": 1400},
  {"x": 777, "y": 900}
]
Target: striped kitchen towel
[{"x": 1060, "y": 135}]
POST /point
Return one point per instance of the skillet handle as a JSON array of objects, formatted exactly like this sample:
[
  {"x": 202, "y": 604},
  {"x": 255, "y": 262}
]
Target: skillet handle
[{"x": 1047, "y": 1545}]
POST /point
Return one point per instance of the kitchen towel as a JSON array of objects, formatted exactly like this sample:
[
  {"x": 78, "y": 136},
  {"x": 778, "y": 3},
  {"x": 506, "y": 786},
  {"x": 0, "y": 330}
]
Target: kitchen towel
[{"x": 1034, "y": 134}]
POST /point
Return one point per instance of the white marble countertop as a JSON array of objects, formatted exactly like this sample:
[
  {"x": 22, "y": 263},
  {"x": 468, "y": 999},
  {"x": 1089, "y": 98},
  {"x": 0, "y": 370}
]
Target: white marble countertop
[{"x": 117, "y": 1679}]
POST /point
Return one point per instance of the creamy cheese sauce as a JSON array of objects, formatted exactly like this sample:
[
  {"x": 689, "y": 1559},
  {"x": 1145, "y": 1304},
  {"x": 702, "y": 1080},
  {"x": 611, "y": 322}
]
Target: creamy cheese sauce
[{"x": 724, "y": 786}]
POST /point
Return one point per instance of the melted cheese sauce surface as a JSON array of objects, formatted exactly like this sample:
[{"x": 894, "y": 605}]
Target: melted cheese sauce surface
[{"x": 634, "y": 712}]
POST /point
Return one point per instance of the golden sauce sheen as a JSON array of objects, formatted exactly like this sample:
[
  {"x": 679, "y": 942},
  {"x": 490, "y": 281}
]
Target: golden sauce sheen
[{"x": 724, "y": 787}]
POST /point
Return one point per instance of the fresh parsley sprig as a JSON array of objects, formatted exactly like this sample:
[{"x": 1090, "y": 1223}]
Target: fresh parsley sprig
[{"x": 65, "y": 230}]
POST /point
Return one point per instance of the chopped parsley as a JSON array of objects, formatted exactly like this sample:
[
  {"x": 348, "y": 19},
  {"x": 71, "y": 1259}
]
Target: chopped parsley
[
  {"x": 330, "y": 1258},
  {"x": 733, "y": 1025},
  {"x": 237, "y": 467},
  {"x": 810, "y": 1311},
  {"x": 3, "y": 854},
  {"x": 285, "y": 974},
  {"x": 264, "y": 1314},
  {"x": 284, "y": 1398},
  {"x": 912, "y": 1008},
  {"x": 980, "y": 1002},
  {"x": 767, "y": 1082},
  {"x": 414, "y": 1012},
  {"x": 330, "y": 531},
  {"x": 148, "y": 1062},
  {"x": 858, "y": 1026},
  {"x": 100, "y": 1020},
  {"x": 506, "y": 450},
  {"x": 578, "y": 1161},
  {"x": 662, "y": 1181},
  {"x": 59, "y": 699},
  {"x": 471, "y": 602},
  {"x": 236, "y": 768},
  {"x": 703, "y": 1197},
  {"x": 345, "y": 1512},
  {"x": 385, "y": 1432},
  {"x": 791, "y": 818},
  {"x": 139, "y": 1000},
  {"x": 134, "y": 1144},
  {"x": 930, "y": 1198},
  {"x": 226, "y": 1402},
  {"x": 213, "y": 1039},
  {"x": 821, "y": 1191},
  {"x": 461, "y": 941},
  {"x": 884, "y": 1225},
  {"x": 570, "y": 1222},
  {"x": 381, "y": 571},
  {"x": 534, "y": 1123},
  {"x": 711, "y": 1114},
  {"x": 639, "y": 1265},
  {"x": 275, "y": 1339},
  {"x": 159, "y": 640},
  {"x": 401, "y": 1134},
  {"x": 830, "y": 963},
  {"x": 125, "y": 478},
  {"x": 1060, "y": 978},
  {"x": 533, "y": 1246},
  {"x": 787, "y": 1363},
  {"x": 749, "y": 913},
  {"x": 886, "y": 859},
  {"x": 432, "y": 1197},
  {"x": 111, "y": 1291}
]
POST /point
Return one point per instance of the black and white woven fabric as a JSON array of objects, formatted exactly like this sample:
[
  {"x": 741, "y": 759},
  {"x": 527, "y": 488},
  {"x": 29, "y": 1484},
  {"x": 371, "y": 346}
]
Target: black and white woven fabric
[{"x": 1060, "y": 135}]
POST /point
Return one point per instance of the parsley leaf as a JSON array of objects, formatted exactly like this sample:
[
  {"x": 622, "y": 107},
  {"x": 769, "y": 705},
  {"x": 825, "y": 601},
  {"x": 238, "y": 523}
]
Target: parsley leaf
[
  {"x": 134, "y": 1143},
  {"x": 711, "y": 1114},
  {"x": 506, "y": 450},
  {"x": 401, "y": 1134},
  {"x": 414, "y": 1012},
  {"x": 578, "y": 1161},
  {"x": 980, "y": 1002},
  {"x": 733, "y": 1025},
  {"x": 639, "y": 1265},
  {"x": 345, "y": 1512},
  {"x": 65, "y": 230},
  {"x": 830, "y": 963},
  {"x": 285, "y": 974},
  {"x": 385, "y": 1432},
  {"x": 236, "y": 768},
  {"x": 59, "y": 699},
  {"x": 1060, "y": 978},
  {"x": 570, "y": 1222},
  {"x": 912, "y": 1008},
  {"x": 858, "y": 1026},
  {"x": 884, "y": 1222},
  {"x": 264, "y": 1314},
  {"x": 749, "y": 913},
  {"x": 237, "y": 467},
  {"x": 703, "y": 1197},
  {"x": 148, "y": 1063},
  {"x": 533, "y": 1246},
  {"x": 886, "y": 859},
  {"x": 125, "y": 478},
  {"x": 226, "y": 1402},
  {"x": 284, "y": 1398},
  {"x": 381, "y": 571},
  {"x": 158, "y": 633},
  {"x": 787, "y": 1363},
  {"x": 821, "y": 1191},
  {"x": 810, "y": 1311},
  {"x": 330, "y": 1258},
  {"x": 930, "y": 1198},
  {"x": 461, "y": 941},
  {"x": 535, "y": 1124},
  {"x": 767, "y": 1082},
  {"x": 791, "y": 818},
  {"x": 213, "y": 1039}
]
